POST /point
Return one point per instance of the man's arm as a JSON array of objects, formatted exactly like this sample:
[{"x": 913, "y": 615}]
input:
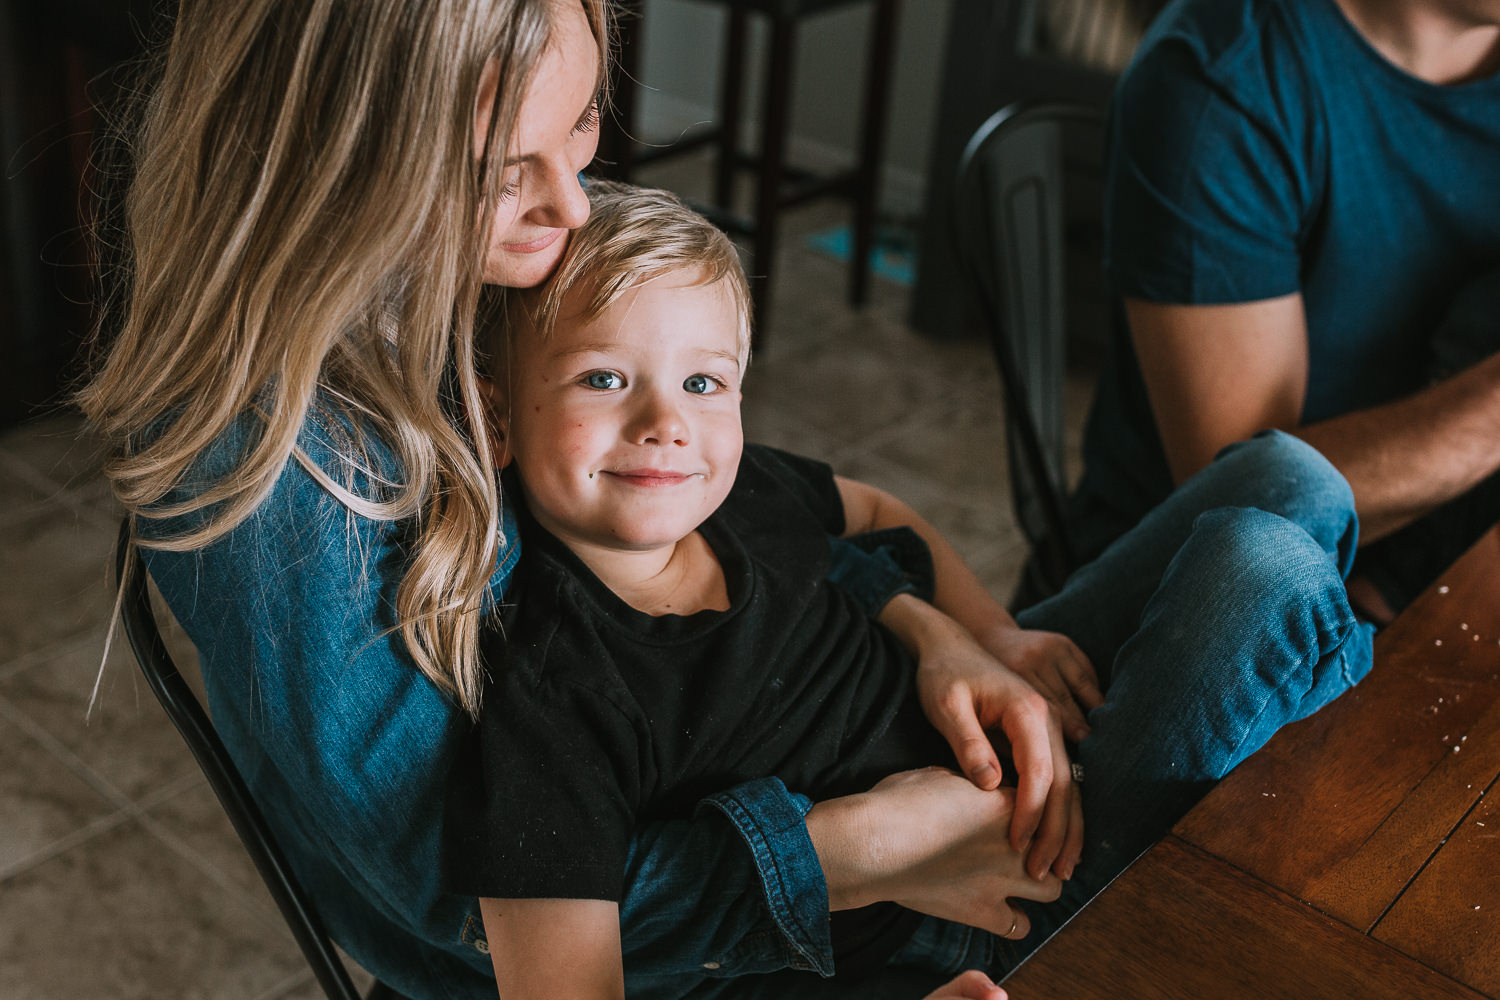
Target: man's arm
[{"x": 1217, "y": 374}]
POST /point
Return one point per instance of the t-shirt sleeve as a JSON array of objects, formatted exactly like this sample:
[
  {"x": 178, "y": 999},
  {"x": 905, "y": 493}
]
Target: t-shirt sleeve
[
  {"x": 809, "y": 482},
  {"x": 1209, "y": 176},
  {"x": 545, "y": 803}
]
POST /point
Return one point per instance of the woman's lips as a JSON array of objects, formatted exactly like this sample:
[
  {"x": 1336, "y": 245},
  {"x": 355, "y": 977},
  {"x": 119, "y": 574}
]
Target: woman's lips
[
  {"x": 535, "y": 245},
  {"x": 649, "y": 477}
]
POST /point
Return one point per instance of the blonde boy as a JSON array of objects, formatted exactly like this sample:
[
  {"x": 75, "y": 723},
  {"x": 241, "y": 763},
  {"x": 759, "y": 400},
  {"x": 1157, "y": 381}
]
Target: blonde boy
[{"x": 671, "y": 630}]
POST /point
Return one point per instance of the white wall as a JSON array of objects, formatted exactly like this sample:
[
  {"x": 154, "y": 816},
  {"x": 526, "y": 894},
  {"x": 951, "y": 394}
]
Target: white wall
[{"x": 682, "y": 48}]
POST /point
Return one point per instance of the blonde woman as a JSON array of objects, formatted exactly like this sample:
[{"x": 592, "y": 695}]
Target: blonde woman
[{"x": 320, "y": 189}]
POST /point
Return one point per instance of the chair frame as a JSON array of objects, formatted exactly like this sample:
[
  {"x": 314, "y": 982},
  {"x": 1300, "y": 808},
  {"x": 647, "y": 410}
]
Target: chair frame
[
  {"x": 187, "y": 714},
  {"x": 1020, "y": 298}
]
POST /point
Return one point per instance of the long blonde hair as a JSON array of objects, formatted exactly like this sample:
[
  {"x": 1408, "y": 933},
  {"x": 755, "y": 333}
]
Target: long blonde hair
[{"x": 305, "y": 239}]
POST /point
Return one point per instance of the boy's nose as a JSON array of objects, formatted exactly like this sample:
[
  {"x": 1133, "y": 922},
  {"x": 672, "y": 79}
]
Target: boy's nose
[{"x": 660, "y": 421}]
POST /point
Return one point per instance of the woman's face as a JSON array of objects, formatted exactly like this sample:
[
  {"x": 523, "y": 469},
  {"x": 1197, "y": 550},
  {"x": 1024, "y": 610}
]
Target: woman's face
[{"x": 557, "y": 131}]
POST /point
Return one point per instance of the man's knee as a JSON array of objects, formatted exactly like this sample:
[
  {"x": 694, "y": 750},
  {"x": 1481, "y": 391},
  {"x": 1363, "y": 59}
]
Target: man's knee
[{"x": 1285, "y": 475}]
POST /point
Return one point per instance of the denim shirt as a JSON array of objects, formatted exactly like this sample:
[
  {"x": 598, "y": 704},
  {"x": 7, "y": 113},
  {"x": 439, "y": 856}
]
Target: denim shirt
[{"x": 346, "y": 747}]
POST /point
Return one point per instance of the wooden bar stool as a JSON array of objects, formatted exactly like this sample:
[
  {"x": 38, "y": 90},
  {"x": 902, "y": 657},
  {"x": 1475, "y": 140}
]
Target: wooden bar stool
[{"x": 778, "y": 184}]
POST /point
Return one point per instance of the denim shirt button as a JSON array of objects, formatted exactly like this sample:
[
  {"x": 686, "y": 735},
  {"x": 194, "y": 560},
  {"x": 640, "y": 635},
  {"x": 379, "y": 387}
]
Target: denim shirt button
[
  {"x": 710, "y": 965},
  {"x": 482, "y": 946}
]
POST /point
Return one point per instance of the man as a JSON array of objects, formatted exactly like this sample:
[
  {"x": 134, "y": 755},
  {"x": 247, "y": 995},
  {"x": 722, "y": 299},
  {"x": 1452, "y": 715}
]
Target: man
[{"x": 1302, "y": 211}]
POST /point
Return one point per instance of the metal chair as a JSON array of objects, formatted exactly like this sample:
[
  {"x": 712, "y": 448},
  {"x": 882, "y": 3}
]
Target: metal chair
[
  {"x": 1009, "y": 227},
  {"x": 198, "y": 731}
]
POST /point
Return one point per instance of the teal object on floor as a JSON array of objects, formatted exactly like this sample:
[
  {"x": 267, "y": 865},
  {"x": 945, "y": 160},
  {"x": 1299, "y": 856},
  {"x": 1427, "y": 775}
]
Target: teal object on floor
[{"x": 893, "y": 257}]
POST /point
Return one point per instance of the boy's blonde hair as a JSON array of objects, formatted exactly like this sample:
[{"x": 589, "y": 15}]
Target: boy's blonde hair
[{"x": 632, "y": 236}]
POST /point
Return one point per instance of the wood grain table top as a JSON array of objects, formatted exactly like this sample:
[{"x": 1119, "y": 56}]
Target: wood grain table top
[{"x": 1356, "y": 855}]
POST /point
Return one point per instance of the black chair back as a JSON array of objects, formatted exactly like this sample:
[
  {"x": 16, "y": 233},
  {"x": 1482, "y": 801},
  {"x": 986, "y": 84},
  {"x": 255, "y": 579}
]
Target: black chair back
[
  {"x": 198, "y": 731},
  {"x": 1009, "y": 226}
]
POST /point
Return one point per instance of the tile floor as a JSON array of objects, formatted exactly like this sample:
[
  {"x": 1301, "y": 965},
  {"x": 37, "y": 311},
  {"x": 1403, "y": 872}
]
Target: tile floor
[{"x": 120, "y": 877}]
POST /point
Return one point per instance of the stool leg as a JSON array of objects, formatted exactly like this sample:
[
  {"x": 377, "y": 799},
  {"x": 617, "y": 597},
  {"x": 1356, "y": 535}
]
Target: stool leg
[
  {"x": 772, "y": 164},
  {"x": 872, "y": 146},
  {"x": 617, "y": 139},
  {"x": 731, "y": 91}
]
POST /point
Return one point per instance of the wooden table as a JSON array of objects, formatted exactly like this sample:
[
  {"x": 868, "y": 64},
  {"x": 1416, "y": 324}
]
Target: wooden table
[{"x": 1356, "y": 855}]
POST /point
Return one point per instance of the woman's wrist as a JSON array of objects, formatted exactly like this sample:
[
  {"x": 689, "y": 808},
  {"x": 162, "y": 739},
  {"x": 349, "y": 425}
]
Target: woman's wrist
[{"x": 840, "y": 833}]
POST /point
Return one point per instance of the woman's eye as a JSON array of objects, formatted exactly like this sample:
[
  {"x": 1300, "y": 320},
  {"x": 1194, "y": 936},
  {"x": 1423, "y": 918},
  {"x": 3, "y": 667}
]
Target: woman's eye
[
  {"x": 700, "y": 384},
  {"x": 588, "y": 122},
  {"x": 603, "y": 380}
]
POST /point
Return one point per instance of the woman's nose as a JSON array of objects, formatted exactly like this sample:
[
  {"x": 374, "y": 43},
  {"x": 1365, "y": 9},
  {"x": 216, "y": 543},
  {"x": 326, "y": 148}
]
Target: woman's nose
[{"x": 563, "y": 204}]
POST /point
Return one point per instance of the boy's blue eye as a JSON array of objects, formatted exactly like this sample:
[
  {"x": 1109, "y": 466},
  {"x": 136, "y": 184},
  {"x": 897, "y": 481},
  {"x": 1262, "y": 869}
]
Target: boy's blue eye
[
  {"x": 699, "y": 384},
  {"x": 603, "y": 380}
]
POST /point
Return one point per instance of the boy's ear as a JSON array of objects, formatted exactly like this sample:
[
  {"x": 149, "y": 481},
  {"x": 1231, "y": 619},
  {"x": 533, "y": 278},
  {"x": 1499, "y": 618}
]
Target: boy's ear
[
  {"x": 499, "y": 410},
  {"x": 502, "y": 446}
]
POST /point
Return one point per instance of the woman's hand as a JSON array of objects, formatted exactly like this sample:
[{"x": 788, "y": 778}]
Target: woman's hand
[
  {"x": 966, "y": 692},
  {"x": 933, "y": 842},
  {"x": 1055, "y": 666},
  {"x": 971, "y": 985}
]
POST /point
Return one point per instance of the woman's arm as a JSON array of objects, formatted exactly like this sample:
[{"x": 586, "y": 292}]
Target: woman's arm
[
  {"x": 549, "y": 948},
  {"x": 933, "y": 842}
]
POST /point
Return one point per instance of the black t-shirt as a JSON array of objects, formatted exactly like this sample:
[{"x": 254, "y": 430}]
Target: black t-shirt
[{"x": 599, "y": 717}]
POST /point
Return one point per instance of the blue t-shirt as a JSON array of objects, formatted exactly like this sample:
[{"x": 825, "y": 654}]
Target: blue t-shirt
[{"x": 1263, "y": 147}]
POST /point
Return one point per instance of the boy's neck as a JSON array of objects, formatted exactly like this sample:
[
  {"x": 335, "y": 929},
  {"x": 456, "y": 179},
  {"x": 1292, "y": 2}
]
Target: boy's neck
[
  {"x": 1430, "y": 39},
  {"x": 679, "y": 579}
]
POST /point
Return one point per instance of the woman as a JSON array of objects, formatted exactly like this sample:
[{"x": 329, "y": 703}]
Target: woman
[
  {"x": 320, "y": 190},
  {"x": 299, "y": 432}
]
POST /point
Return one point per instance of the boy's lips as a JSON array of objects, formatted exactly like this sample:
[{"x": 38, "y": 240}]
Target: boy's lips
[
  {"x": 532, "y": 246},
  {"x": 648, "y": 477}
]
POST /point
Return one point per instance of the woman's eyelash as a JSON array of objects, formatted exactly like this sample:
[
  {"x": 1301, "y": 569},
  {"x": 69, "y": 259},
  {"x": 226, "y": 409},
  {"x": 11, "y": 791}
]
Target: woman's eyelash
[{"x": 588, "y": 122}]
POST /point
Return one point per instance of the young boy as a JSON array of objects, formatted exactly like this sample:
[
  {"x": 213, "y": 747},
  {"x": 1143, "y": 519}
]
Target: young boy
[{"x": 670, "y": 631}]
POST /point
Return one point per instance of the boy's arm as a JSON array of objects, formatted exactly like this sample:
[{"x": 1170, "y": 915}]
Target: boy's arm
[
  {"x": 547, "y": 948},
  {"x": 966, "y": 690},
  {"x": 1051, "y": 663}
]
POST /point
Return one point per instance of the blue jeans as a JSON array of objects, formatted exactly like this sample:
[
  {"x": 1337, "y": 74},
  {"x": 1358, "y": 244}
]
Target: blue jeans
[{"x": 1217, "y": 620}]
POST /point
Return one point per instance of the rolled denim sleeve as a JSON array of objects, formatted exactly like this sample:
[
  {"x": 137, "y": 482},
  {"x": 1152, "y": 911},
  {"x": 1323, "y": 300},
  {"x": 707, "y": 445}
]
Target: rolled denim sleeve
[{"x": 738, "y": 891}]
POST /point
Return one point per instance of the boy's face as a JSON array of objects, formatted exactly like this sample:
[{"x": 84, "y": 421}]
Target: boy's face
[{"x": 626, "y": 427}]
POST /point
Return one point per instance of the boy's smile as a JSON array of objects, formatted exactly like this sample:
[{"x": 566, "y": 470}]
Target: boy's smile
[{"x": 626, "y": 427}]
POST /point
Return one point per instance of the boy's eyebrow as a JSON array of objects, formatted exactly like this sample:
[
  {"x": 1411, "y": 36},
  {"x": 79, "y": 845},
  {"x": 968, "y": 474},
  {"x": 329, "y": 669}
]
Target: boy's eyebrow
[{"x": 607, "y": 348}]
